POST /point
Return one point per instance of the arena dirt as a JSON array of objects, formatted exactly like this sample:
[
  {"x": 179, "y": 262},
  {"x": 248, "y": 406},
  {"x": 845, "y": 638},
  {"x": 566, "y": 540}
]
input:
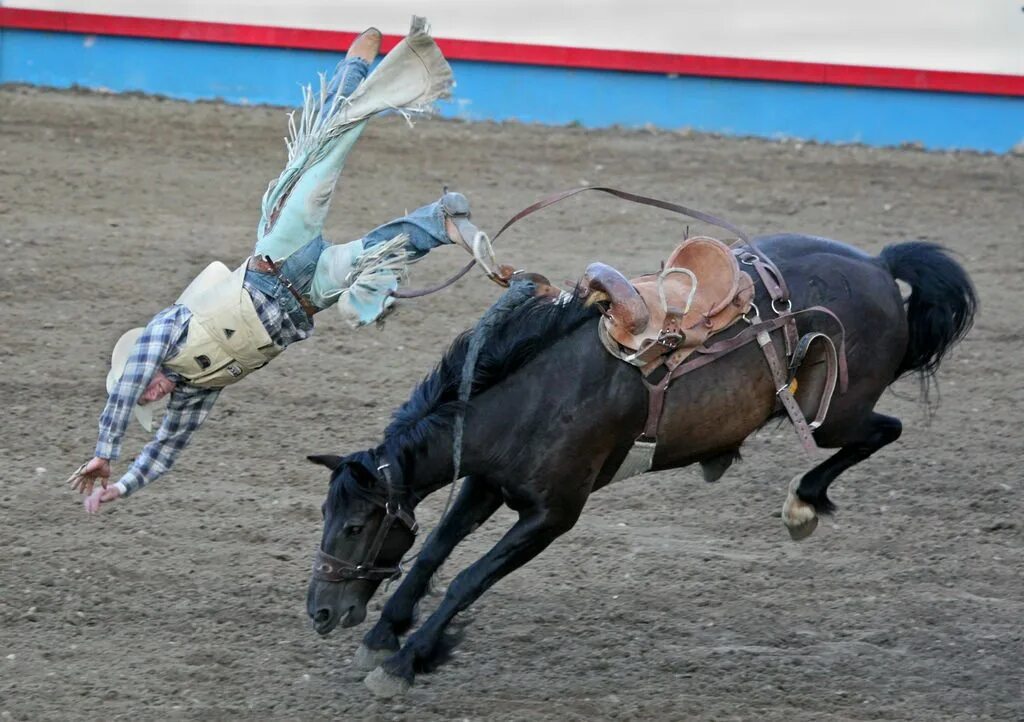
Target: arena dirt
[{"x": 671, "y": 599}]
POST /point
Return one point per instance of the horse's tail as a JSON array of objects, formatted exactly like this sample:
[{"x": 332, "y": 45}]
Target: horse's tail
[{"x": 942, "y": 303}]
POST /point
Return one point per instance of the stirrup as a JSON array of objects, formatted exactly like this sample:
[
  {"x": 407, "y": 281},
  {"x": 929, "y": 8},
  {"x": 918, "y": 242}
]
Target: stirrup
[{"x": 500, "y": 273}]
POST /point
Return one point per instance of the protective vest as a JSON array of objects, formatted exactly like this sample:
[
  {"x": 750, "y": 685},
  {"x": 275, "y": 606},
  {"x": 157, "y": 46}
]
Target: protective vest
[{"x": 226, "y": 340}]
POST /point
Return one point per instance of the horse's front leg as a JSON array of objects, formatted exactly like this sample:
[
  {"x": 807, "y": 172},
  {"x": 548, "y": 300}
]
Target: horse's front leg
[
  {"x": 529, "y": 536},
  {"x": 475, "y": 503}
]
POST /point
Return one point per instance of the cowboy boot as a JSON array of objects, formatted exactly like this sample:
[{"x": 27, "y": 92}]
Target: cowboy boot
[
  {"x": 366, "y": 46},
  {"x": 456, "y": 219}
]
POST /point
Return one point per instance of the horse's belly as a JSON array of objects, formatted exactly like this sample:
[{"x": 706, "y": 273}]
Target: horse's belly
[{"x": 714, "y": 408}]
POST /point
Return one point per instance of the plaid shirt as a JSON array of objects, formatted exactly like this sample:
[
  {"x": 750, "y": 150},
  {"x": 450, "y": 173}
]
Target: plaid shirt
[{"x": 188, "y": 406}]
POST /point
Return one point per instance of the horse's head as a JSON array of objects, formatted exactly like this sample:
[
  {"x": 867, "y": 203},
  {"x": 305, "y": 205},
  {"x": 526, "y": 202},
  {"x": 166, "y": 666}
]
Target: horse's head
[{"x": 368, "y": 527}]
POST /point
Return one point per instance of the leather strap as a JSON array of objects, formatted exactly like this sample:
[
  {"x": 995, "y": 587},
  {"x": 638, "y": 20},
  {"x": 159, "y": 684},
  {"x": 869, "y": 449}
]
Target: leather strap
[
  {"x": 624, "y": 195},
  {"x": 796, "y": 415},
  {"x": 331, "y": 569},
  {"x": 394, "y": 507},
  {"x": 775, "y": 284},
  {"x": 264, "y": 264},
  {"x": 706, "y": 354},
  {"x": 656, "y": 393},
  {"x": 760, "y": 331},
  {"x": 562, "y": 195},
  {"x": 419, "y": 292}
]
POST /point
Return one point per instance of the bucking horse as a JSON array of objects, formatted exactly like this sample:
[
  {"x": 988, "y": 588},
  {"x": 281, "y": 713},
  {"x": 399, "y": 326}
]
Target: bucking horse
[{"x": 568, "y": 392}]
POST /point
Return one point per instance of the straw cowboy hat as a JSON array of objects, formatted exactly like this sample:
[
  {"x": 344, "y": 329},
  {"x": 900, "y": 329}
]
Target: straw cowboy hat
[{"x": 118, "y": 360}]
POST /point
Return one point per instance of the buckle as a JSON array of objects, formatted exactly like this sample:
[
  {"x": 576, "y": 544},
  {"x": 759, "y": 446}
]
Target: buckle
[{"x": 671, "y": 339}]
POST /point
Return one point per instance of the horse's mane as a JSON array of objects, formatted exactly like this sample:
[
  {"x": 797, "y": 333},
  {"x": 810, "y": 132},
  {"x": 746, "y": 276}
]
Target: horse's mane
[{"x": 517, "y": 338}]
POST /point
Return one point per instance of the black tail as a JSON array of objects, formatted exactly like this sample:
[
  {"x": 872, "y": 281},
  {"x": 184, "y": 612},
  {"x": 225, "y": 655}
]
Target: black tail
[{"x": 942, "y": 302}]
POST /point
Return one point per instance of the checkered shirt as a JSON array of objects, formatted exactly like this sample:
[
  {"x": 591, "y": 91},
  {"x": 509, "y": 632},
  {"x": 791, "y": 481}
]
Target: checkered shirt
[{"x": 188, "y": 406}]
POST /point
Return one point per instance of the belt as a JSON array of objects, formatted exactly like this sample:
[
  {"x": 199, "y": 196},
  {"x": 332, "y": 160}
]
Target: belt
[{"x": 263, "y": 264}]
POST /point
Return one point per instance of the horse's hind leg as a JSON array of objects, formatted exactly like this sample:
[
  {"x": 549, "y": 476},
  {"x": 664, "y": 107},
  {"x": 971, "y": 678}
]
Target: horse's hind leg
[
  {"x": 808, "y": 493},
  {"x": 475, "y": 503}
]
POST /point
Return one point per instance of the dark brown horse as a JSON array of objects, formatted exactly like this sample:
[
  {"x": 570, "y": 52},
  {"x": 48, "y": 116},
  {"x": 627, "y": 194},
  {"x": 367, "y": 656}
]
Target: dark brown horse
[{"x": 552, "y": 414}]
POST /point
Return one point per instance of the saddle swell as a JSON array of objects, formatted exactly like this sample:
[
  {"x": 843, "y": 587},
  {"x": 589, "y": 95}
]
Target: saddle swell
[{"x": 699, "y": 292}]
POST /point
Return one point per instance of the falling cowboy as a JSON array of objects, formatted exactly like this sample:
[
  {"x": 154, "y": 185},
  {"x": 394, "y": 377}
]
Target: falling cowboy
[{"x": 227, "y": 324}]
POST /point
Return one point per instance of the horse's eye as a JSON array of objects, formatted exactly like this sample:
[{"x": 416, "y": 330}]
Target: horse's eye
[{"x": 354, "y": 530}]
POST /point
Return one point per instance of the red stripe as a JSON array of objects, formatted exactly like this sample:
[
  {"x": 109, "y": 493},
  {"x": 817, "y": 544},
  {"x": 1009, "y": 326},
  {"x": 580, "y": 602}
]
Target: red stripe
[{"x": 553, "y": 55}]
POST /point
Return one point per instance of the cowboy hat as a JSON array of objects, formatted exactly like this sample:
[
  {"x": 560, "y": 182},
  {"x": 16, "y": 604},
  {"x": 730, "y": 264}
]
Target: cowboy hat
[{"x": 118, "y": 360}]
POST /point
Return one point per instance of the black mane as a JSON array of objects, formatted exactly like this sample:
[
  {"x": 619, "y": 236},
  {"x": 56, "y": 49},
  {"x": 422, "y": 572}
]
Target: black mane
[{"x": 518, "y": 338}]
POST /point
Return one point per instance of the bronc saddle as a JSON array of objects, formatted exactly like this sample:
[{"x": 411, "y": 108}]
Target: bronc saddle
[{"x": 664, "y": 323}]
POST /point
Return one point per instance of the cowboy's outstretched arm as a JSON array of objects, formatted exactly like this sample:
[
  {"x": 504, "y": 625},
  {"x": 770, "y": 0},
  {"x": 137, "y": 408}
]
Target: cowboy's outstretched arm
[
  {"x": 155, "y": 343},
  {"x": 187, "y": 410}
]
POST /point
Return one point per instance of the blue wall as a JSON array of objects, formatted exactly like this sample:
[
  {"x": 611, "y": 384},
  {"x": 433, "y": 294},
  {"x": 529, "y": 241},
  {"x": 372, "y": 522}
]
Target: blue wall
[{"x": 493, "y": 91}]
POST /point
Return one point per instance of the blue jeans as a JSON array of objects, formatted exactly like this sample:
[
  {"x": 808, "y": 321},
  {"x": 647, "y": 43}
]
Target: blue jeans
[
  {"x": 348, "y": 74},
  {"x": 425, "y": 227}
]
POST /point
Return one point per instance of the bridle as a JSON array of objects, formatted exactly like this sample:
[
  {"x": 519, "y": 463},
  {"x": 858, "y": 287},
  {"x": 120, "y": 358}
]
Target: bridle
[{"x": 327, "y": 568}]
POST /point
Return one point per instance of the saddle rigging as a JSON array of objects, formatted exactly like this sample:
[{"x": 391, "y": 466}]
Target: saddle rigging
[{"x": 664, "y": 324}]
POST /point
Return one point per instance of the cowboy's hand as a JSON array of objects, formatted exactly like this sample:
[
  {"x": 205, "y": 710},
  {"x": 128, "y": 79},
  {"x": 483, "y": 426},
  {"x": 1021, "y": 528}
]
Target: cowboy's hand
[
  {"x": 86, "y": 475},
  {"x": 102, "y": 495}
]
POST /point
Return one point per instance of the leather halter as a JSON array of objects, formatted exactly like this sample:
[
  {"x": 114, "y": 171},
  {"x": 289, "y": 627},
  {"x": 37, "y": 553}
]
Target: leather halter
[{"x": 327, "y": 568}]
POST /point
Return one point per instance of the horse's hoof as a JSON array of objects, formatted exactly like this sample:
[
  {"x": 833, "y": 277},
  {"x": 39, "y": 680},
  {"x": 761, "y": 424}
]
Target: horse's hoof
[
  {"x": 367, "y": 660},
  {"x": 386, "y": 685},
  {"x": 799, "y": 517},
  {"x": 801, "y": 531}
]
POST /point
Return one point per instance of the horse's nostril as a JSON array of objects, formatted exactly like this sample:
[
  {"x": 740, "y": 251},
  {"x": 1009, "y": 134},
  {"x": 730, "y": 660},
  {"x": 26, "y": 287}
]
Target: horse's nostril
[{"x": 321, "y": 616}]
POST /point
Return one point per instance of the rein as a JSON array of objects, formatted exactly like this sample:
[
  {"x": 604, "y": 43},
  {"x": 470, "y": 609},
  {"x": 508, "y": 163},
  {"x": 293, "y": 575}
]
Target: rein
[
  {"x": 328, "y": 568},
  {"x": 624, "y": 195}
]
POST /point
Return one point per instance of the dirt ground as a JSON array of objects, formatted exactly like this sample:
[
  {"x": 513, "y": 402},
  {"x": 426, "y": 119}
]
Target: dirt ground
[{"x": 671, "y": 599}]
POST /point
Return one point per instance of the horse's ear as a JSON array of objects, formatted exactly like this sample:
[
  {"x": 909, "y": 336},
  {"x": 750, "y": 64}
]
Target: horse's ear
[
  {"x": 331, "y": 461},
  {"x": 363, "y": 475}
]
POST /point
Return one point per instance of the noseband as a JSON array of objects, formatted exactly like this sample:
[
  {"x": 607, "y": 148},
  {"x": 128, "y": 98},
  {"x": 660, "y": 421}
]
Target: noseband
[{"x": 331, "y": 569}]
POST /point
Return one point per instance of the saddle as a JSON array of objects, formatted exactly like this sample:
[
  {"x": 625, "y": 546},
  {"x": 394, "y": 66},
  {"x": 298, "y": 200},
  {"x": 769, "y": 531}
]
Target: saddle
[
  {"x": 658, "y": 321},
  {"x": 699, "y": 292}
]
